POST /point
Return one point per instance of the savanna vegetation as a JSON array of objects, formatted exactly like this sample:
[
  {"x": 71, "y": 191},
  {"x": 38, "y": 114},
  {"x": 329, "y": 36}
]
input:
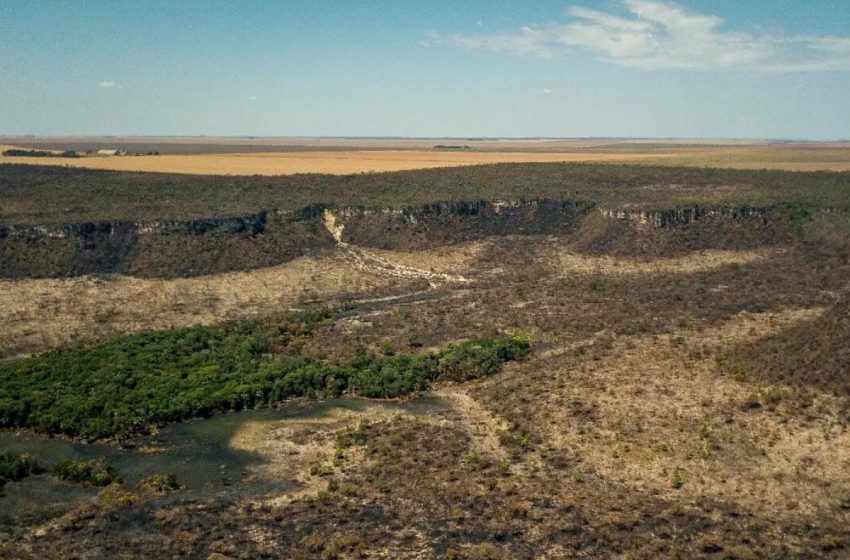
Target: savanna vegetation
[
  {"x": 686, "y": 397},
  {"x": 47, "y": 194}
]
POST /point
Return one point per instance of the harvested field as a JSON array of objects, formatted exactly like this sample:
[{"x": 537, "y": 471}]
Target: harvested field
[
  {"x": 334, "y": 162},
  {"x": 288, "y": 156}
]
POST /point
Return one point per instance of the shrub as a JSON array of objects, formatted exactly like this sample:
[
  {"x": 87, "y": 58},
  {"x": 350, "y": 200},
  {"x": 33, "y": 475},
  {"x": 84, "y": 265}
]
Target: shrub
[
  {"x": 86, "y": 473},
  {"x": 160, "y": 483},
  {"x": 678, "y": 479},
  {"x": 17, "y": 467}
]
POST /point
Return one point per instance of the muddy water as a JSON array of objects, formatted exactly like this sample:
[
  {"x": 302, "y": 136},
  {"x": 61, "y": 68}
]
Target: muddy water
[{"x": 198, "y": 452}]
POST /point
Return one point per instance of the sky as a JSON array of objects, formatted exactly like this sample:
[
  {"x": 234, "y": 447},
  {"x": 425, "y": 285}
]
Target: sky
[{"x": 417, "y": 68}]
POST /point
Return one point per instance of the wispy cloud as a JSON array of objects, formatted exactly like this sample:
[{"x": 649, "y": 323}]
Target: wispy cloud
[
  {"x": 253, "y": 98},
  {"x": 528, "y": 41},
  {"x": 109, "y": 85},
  {"x": 544, "y": 91},
  {"x": 658, "y": 35}
]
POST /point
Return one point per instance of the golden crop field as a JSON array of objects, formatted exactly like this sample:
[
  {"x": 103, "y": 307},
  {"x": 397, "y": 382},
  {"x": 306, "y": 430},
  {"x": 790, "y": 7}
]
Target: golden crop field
[
  {"x": 332, "y": 162},
  {"x": 340, "y": 162}
]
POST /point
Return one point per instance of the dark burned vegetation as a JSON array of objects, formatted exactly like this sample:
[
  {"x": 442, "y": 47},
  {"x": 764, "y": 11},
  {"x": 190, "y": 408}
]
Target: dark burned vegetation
[
  {"x": 122, "y": 386},
  {"x": 813, "y": 354},
  {"x": 51, "y": 195},
  {"x": 153, "y": 225},
  {"x": 424, "y": 491}
]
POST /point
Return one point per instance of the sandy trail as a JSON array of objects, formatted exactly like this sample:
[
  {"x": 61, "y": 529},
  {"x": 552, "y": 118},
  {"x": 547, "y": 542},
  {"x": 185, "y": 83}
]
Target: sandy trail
[
  {"x": 481, "y": 425},
  {"x": 363, "y": 259}
]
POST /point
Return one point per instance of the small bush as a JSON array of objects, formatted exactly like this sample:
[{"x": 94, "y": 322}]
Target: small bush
[
  {"x": 17, "y": 467},
  {"x": 114, "y": 496},
  {"x": 160, "y": 483},
  {"x": 678, "y": 479},
  {"x": 349, "y": 436},
  {"x": 86, "y": 473}
]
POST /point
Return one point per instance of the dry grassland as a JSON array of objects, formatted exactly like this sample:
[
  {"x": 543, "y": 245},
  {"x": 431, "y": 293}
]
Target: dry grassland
[
  {"x": 566, "y": 262},
  {"x": 661, "y": 407},
  {"x": 46, "y": 313},
  {"x": 337, "y": 161},
  {"x": 334, "y": 163}
]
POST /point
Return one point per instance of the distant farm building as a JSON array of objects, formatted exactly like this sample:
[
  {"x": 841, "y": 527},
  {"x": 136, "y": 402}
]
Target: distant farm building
[{"x": 112, "y": 152}]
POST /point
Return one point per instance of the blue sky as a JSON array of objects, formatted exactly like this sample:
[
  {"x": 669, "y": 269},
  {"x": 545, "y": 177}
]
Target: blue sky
[{"x": 624, "y": 68}]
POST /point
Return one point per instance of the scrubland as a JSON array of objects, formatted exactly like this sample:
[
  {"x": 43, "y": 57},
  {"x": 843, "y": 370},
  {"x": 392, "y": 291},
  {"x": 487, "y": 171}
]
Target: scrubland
[{"x": 684, "y": 393}]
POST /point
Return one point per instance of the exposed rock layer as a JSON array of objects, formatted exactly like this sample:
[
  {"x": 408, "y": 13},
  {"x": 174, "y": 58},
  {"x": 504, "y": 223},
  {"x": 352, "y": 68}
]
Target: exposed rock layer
[{"x": 207, "y": 246}]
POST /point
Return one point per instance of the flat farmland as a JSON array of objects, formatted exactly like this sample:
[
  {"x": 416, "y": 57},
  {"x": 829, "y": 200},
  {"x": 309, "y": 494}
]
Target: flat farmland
[
  {"x": 328, "y": 162},
  {"x": 342, "y": 157}
]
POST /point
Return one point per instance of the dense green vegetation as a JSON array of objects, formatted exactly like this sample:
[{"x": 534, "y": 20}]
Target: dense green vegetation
[
  {"x": 119, "y": 387},
  {"x": 16, "y": 467},
  {"x": 86, "y": 473},
  {"x": 49, "y": 194}
]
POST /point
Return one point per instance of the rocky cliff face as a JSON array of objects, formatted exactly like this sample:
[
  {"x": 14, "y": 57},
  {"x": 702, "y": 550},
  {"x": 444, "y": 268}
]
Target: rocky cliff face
[
  {"x": 159, "y": 248},
  {"x": 439, "y": 224},
  {"x": 684, "y": 216},
  {"x": 171, "y": 248}
]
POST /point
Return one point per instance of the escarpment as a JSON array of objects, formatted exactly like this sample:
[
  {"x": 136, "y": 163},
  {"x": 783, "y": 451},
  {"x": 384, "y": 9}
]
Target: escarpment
[
  {"x": 160, "y": 248},
  {"x": 436, "y": 224},
  {"x": 174, "y": 248}
]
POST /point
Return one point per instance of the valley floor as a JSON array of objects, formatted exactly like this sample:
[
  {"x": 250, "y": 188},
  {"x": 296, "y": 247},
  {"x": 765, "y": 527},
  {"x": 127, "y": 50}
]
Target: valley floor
[{"x": 656, "y": 417}]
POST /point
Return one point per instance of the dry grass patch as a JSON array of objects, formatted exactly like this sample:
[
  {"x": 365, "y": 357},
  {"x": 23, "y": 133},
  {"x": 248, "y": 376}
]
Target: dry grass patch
[
  {"x": 332, "y": 162},
  {"x": 568, "y": 263},
  {"x": 661, "y": 418},
  {"x": 45, "y": 313}
]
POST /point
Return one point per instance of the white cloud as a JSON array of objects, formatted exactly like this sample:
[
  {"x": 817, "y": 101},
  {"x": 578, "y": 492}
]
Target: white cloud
[
  {"x": 253, "y": 98},
  {"x": 544, "y": 91},
  {"x": 528, "y": 41},
  {"x": 659, "y": 35},
  {"x": 112, "y": 85}
]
